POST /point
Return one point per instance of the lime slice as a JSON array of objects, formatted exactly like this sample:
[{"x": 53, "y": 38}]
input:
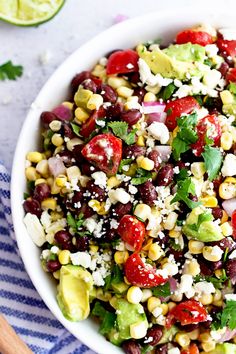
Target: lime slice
[{"x": 29, "y": 12}]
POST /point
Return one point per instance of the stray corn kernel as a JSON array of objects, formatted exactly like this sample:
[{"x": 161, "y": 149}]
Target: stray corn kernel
[
  {"x": 39, "y": 181},
  {"x": 150, "y": 97},
  {"x": 227, "y": 190},
  {"x": 81, "y": 115},
  {"x": 182, "y": 339},
  {"x": 224, "y": 217},
  {"x": 113, "y": 182},
  {"x": 138, "y": 330},
  {"x": 142, "y": 211},
  {"x": 206, "y": 299},
  {"x": 155, "y": 252},
  {"x": 226, "y": 97},
  {"x": 31, "y": 173},
  {"x": 42, "y": 168},
  {"x": 34, "y": 156},
  {"x": 209, "y": 201},
  {"x": 210, "y": 254},
  {"x": 116, "y": 82},
  {"x": 209, "y": 346},
  {"x": 141, "y": 141},
  {"x": 170, "y": 222},
  {"x": 49, "y": 203},
  {"x": 134, "y": 295},
  {"x": 152, "y": 303},
  {"x": 61, "y": 180},
  {"x": 55, "y": 125},
  {"x": 226, "y": 229},
  {"x": 145, "y": 163},
  {"x": 64, "y": 257},
  {"x": 120, "y": 257},
  {"x": 73, "y": 173},
  {"x": 198, "y": 169},
  {"x": 57, "y": 140}
]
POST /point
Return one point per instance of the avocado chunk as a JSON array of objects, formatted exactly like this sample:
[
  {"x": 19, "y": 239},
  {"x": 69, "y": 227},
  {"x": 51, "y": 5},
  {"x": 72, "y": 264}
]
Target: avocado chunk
[
  {"x": 168, "y": 335},
  {"x": 120, "y": 288},
  {"x": 200, "y": 226},
  {"x": 128, "y": 314},
  {"x": 224, "y": 348},
  {"x": 114, "y": 337},
  {"x": 82, "y": 97},
  {"x": 174, "y": 62},
  {"x": 73, "y": 292}
]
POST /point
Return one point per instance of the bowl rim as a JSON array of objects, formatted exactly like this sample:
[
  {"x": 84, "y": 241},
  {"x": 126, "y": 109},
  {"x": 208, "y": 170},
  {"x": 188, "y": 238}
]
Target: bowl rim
[{"x": 103, "y": 346}]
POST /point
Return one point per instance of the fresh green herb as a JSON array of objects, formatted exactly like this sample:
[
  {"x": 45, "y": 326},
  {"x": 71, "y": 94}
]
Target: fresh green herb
[
  {"x": 186, "y": 135},
  {"x": 175, "y": 246},
  {"x": 162, "y": 290},
  {"x": 183, "y": 174},
  {"x": 77, "y": 224},
  {"x": 52, "y": 257},
  {"x": 146, "y": 349},
  {"x": 184, "y": 188},
  {"x": 225, "y": 254},
  {"x": 115, "y": 277},
  {"x": 47, "y": 139},
  {"x": 120, "y": 129},
  {"x": 30, "y": 186},
  {"x": 75, "y": 128},
  {"x": 123, "y": 163},
  {"x": 208, "y": 140},
  {"x": 226, "y": 318},
  {"x": 169, "y": 112},
  {"x": 213, "y": 161},
  {"x": 108, "y": 318},
  {"x": 199, "y": 99},
  {"x": 10, "y": 71},
  {"x": 26, "y": 195},
  {"x": 232, "y": 88},
  {"x": 167, "y": 92},
  {"x": 141, "y": 176},
  {"x": 208, "y": 62},
  {"x": 217, "y": 282}
]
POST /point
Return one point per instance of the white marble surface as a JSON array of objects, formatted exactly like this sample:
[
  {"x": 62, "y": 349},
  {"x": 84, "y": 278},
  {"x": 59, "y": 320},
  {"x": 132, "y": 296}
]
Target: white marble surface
[{"x": 77, "y": 22}]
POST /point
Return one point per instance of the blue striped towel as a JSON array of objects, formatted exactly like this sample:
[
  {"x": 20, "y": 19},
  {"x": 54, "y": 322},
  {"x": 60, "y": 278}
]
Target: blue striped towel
[{"x": 19, "y": 301}]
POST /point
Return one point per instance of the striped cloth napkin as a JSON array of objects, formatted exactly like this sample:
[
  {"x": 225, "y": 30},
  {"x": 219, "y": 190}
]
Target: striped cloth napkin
[{"x": 19, "y": 301}]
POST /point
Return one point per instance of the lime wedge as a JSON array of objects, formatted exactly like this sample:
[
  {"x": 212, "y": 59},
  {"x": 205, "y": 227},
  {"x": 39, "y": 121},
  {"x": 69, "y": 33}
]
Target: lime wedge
[{"x": 29, "y": 12}]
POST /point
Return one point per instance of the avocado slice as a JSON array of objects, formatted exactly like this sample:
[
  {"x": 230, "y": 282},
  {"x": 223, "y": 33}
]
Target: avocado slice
[
  {"x": 224, "y": 348},
  {"x": 186, "y": 52},
  {"x": 128, "y": 314},
  {"x": 119, "y": 288},
  {"x": 200, "y": 226},
  {"x": 168, "y": 335},
  {"x": 74, "y": 288}
]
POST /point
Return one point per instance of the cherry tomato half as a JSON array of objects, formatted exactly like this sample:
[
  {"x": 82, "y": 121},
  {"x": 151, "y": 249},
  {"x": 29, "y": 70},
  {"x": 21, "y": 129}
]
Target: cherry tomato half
[
  {"x": 194, "y": 37},
  {"x": 231, "y": 75},
  {"x": 228, "y": 47},
  {"x": 122, "y": 62},
  {"x": 174, "y": 109},
  {"x": 208, "y": 127},
  {"x": 187, "y": 312},
  {"x": 192, "y": 349},
  {"x": 142, "y": 275},
  {"x": 89, "y": 126},
  {"x": 104, "y": 151},
  {"x": 132, "y": 231},
  {"x": 233, "y": 222}
]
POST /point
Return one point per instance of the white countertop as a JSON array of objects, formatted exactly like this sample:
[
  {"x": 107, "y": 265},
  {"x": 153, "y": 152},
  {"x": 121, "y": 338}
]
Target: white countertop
[{"x": 41, "y": 49}]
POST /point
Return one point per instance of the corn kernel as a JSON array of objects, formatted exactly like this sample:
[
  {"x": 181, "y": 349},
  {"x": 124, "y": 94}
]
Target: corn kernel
[
  {"x": 141, "y": 141},
  {"x": 124, "y": 91},
  {"x": 193, "y": 335},
  {"x": 57, "y": 139},
  {"x": 34, "y": 156},
  {"x": 94, "y": 204},
  {"x": 209, "y": 346},
  {"x": 150, "y": 97},
  {"x": 224, "y": 217},
  {"x": 142, "y": 211},
  {"x": 138, "y": 330},
  {"x": 81, "y": 115},
  {"x": 68, "y": 105},
  {"x": 134, "y": 295},
  {"x": 226, "y": 97},
  {"x": 226, "y": 141},
  {"x": 56, "y": 274},
  {"x": 72, "y": 143},
  {"x": 182, "y": 339},
  {"x": 155, "y": 252},
  {"x": 198, "y": 169},
  {"x": 31, "y": 173},
  {"x": 154, "y": 89},
  {"x": 49, "y": 203},
  {"x": 174, "y": 234},
  {"x": 113, "y": 182},
  {"x": 54, "y": 188},
  {"x": 218, "y": 303},
  {"x": 206, "y": 299},
  {"x": 192, "y": 268},
  {"x": 205, "y": 337},
  {"x": 42, "y": 168},
  {"x": 73, "y": 173},
  {"x": 152, "y": 303},
  {"x": 99, "y": 71},
  {"x": 165, "y": 309},
  {"x": 95, "y": 101},
  {"x": 227, "y": 190},
  {"x": 209, "y": 201},
  {"x": 39, "y": 181},
  {"x": 82, "y": 96},
  {"x": 226, "y": 229},
  {"x": 145, "y": 163},
  {"x": 147, "y": 293},
  {"x": 55, "y": 125},
  {"x": 210, "y": 255},
  {"x": 84, "y": 180},
  {"x": 55, "y": 215},
  {"x": 195, "y": 247},
  {"x": 131, "y": 104},
  {"x": 64, "y": 257},
  {"x": 170, "y": 222},
  {"x": 93, "y": 248},
  {"x": 103, "y": 210},
  {"x": 177, "y": 297},
  {"x": 61, "y": 180},
  {"x": 120, "y": 257},
  {"x": 218, "y": 273},
  {"x": 116, "y": 82}
]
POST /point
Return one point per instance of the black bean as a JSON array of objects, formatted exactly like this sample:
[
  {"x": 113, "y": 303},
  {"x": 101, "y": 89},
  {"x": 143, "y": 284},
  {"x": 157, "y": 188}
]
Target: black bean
[
  {"x": 131, "y": 347},
  {"x": 90, "y": 85},
  {"x": 131, "y": 116},
  {"x": 82, "y": 243},
  {"x": 63, "y": 238},
  {"x": 114, "y": 111},
  {"x": 53, "y": 266},
  {"x": 231, "y": 270},
  {"x": 96, "y": 192},
  {"x": 42, "y": 191},
  {"x": 154, "y": 155},
  {"x": 32, "y": 206},
  {"x": 133, "y": 151},
  {"x": 154, "y": 335},
  {"x": 217, "y": 213},
  {"x": 165, "y": 175},
  {"x": 108, "y": 93},
  {"x": 46, "y": 118},
  {"x": 148, "y": 193},
  {"x": 120, "y": 209}
]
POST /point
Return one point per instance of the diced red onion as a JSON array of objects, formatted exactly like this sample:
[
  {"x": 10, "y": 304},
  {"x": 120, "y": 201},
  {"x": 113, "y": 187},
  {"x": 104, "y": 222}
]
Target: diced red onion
[
  {"x": 173, "y": 284},
  {"x": 229, "y": 206},
  {"x": 63, "y": 112},
  {"x": 227, "y": 335},
  {"x": 156, "y": 117},
  {"x": 164, "y": 151},
  {"x": 56, "y": 166},
  {"x": 153, "y": 107}
]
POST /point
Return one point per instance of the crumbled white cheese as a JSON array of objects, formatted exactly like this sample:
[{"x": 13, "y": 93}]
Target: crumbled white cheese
[
  {"x": 185, "y": 286},
  {"x": 228, "y": 34},
  {"x": 217, "y": 251},
  {"x": 114, "y": 224},
  {"x": 45, "y": 254},
  {"x": 229, "y": 165},
  {"x": 97, "y": 278},
  {"x": 211, "y": 50},
  {"x": 217, "y": 335},
  {"x": 157, "y": 311},
  {"x": 119, "y": 195},
  {"x": 101, "y": 122},
  {"x": 132, "y": 189},
  {"x": 54, "y": 250},
  {"x": 97, "y": 232},
  {"x": 174, "y": 351},
  {"x": 232, "y": 255},
  {"x": 159, "y": 131},
  {"x": 100, "y": 179},
  {"x": 35, "y": 229},
  {"x": 150, "y": 79},
  {"x": 81, "y": 258},
  {"x": 90, "y": 224},
  {"x": 230, "y": 297},
  {"x": 211, "y": 78},
  {"x": 45, "y": 219},
  {"x": 204, "y": 287}
]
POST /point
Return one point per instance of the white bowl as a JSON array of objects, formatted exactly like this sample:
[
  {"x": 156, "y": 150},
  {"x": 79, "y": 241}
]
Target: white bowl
[{"x": 124, "y": 35}]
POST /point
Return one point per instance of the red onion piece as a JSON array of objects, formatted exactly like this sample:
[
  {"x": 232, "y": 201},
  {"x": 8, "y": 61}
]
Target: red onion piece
[
  {"x": 156, "y": 117},
  {"x": 164, "y": 151},
  {"x": 62, "y": 112},
  {"x": 227, "y": 335},
  {"x": 229, "y": 206},
  {"x": 56, "y": 166},
  {"x": 173, "y": 284},
  {"x": 153, "y": 107}
]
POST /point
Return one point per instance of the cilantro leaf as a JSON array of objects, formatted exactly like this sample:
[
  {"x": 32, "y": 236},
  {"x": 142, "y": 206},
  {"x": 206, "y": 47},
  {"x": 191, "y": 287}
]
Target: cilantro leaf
[
  {"x": 123, "y": 163},
  {"x": 179, "y": 146},
  {"x": 217, "y": 282},
  {"x": 120, "y": 129},
  {"x": 232, "y": 88},
  {"x": 167, "y": 92},
  {"x": 184, "y": 188},
  {"x": 226, "y": 317},
  {"x": 141, "y": 176},
  {"x": 183, "y": 174},
  {"x": 206, "y": 216},
  {"x": 213, "y": 161},
  {"x": 108, "y": 318},
  {"x": 162, "y": 290},
  {"x": 76, "y": 224},
  {"x": 71, "y": 221},
  {"x": 115, "y": 277},
  {"x": 75, "y": 128},
  {"x": 10, "y": 71}
]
